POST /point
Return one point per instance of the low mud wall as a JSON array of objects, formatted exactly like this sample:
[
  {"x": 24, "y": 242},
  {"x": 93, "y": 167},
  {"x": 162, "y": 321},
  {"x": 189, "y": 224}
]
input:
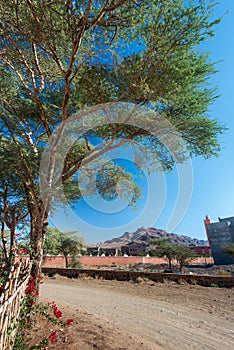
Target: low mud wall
[
  {"x": 203, "y": 280},
  {"x": 59, "y": 261},
  {"x": 120, "y": 260}
]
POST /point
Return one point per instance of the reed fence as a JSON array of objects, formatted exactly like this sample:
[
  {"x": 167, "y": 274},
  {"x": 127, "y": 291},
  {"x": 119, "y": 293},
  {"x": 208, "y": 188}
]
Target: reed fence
[{"x": 10, "y": 302}]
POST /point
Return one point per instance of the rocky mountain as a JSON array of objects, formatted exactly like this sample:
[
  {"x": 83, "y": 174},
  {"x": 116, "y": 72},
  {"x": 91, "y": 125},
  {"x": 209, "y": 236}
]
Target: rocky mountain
[{"x": 147, "y": 234}]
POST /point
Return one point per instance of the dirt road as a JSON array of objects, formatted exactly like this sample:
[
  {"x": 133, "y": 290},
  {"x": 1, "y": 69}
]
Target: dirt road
[{"x": 149, "y": 316}]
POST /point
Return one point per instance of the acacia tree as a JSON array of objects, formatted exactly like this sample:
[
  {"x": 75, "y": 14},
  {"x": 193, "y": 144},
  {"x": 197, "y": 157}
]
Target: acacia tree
[
  {"x": 59, "y": 57},
  {"x": 68, "y": 243},
  {"x": 164, "y": 248},
  {"x": 13, "y": 206},
  {"x": 12, "y": 214},
  {"x": 183, "y": 255}
]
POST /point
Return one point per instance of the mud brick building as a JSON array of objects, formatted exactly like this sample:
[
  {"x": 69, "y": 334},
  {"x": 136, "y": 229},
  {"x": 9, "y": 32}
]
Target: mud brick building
[
  {"x": 220, "y": 233},
  {"x": 135, "y": 248}
]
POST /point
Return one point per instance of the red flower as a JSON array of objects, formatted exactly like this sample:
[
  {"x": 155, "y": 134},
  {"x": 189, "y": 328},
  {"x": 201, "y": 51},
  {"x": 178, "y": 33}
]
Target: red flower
[
  {"x": 30, "y": 287},
  {"x": 58, "y": 313},
  {"x": 69, "y": 321},
  {"x": 54, "y": 307},
  {"x": 35, "y": 293},
  {"x": 53, "y": 337},
  {"x": 31, "y": 278}
]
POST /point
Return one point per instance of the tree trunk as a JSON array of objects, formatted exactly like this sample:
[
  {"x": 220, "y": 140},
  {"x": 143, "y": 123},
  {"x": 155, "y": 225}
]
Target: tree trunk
[
  {"x": 66, "y": 259},
  {"x": 12, "y": 244},
  {"x": 169, "y": 260},
  {"x": 39, "y": 224},
  {"x": 5, "y": 256}
]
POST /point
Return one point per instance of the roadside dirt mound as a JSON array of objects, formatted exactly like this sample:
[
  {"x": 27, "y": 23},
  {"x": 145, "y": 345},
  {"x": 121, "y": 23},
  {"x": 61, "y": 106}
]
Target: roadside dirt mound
[{"x": 86, "y": 333}]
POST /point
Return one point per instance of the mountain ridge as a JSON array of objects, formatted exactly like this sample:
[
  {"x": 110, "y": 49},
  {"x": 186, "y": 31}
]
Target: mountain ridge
[{"x": 143, "y": 234}]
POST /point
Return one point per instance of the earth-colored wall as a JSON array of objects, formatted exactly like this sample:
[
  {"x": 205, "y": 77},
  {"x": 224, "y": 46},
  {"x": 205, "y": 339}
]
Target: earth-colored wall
[{"x": 59, "y": 261}]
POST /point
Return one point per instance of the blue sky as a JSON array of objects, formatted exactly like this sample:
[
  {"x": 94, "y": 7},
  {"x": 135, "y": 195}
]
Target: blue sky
[{"x": 212, "y": 187}]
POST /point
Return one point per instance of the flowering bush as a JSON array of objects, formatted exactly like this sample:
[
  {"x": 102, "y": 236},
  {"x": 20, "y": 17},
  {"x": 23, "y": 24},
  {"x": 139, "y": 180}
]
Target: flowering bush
[{"x": 29, "y": 311}]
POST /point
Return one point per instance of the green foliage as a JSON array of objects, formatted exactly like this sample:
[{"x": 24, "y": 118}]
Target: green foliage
[
  {"x": 14, "y": 211},
  {"x": 75, "y": 263},
  {"x": 164, "y": 248},
  {"x": 144, "y": 53},
  {"x": 183, "y": 255},
  {"x": 229, "y": 249},
  {"x": 25, "y": 326},
  {"x": 223, "y": 272},
  {"x": 58, "y": 58},
  {"x": 65, "y": 243},
  {"x": 114, "y": 181},
  {"x": 51, "y": 241},
  {"x": 30, "y": 314},
  {"x": 3, "y": 279}
]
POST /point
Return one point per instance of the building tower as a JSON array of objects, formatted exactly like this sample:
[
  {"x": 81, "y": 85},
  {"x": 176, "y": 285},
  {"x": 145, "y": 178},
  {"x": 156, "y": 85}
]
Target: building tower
[{"x": 206, "y": 222}]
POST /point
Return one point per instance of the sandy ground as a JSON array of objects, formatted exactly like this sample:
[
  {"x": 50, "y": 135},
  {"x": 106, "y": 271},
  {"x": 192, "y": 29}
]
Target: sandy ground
[{"x": 112, "y": 315}]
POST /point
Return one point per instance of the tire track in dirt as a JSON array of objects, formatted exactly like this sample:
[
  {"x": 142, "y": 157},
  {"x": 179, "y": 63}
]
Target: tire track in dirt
[{"x": 159, "y": 324}]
